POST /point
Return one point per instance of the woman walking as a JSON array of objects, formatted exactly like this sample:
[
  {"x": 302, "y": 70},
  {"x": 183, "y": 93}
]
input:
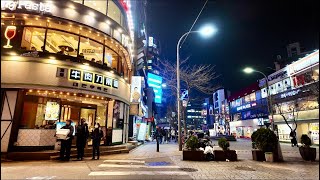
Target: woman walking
[{"x": 97, "y": 134}]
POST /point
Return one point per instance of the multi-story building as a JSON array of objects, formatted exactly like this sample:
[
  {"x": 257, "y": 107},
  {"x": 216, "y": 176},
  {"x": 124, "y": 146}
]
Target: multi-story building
[
  {"x": 248, "y": 111},
  {"x": 221, "y": 111},
  {"x": 195, "y": 118},
  {"x": 64, "y": 60},
  {"x": 295, "y": 96}
]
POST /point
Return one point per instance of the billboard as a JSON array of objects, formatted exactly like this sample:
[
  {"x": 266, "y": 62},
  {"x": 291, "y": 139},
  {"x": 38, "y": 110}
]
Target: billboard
[
  {"x": 136, "y": 89},
  {"x": 155, "y": 82}
]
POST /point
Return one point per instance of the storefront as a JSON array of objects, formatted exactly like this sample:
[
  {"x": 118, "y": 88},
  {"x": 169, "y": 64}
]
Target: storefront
[{"x": 59, "y": 63}]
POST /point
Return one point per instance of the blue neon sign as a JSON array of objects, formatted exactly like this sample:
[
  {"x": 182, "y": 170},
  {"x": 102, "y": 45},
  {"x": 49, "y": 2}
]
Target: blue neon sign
[{"x": 155, "y": 82}]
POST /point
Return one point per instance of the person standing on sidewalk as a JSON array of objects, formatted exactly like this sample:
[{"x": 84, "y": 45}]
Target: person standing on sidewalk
[
  {"x": 97, "y": 134},
  {"x": 82, "y": 134},
  {"x": 66, "y": 143}
]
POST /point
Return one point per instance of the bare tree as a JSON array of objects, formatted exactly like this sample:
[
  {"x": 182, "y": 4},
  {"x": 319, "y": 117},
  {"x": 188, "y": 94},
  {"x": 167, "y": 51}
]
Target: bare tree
[
  {"x": 198, "y": 78},
  {"x": 292, "y": 111}
]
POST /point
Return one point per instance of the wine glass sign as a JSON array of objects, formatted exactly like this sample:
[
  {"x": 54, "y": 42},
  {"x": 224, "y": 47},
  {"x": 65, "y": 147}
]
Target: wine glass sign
[{"x": 9, "y": 34}]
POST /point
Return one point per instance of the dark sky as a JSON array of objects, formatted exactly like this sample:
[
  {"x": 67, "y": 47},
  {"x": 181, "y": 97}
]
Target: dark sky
[{"x": 250, "y": 33}]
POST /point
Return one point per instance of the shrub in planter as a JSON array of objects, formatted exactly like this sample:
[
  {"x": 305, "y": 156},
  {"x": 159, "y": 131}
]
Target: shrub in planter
[
  {"x": 257, "y": 155},
  {"x": 265, "y": 140},
  {"x": 225, "y": 153},
  {"x": 190, "y": 153},
  {"x": 306, "y": 152},
  {"x": 192, "y": 143}
]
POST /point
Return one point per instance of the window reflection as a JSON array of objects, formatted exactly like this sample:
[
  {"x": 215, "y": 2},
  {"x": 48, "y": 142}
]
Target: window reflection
[
  {"x": 62, "y": 43},
  {"x": 91, "y": 50},
  {"x": 100, "y": 6},
  {"x": 33, "y": 38},
  {"x": 114, "y": 12}
]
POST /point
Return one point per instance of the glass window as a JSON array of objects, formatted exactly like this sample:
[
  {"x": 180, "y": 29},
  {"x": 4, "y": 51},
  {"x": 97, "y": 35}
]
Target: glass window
[
  {"x": 91, "y": 50},
  {"x": 78, "y": 1},
  {"x": 101, "y": 115},
  {"x": 279, "y": 87},
  {"x": 39, "y": 112},
  {"x": 286, "y": 84},
  {"x": 62, "y": 43},
  {"x": 33, "y": 37},
  {"x": 247, "y": 98},
  {"x": 114, "y": 12},
  {"x": 100, "y": 6},
  {"x": 264, "y": 93},
  {"x": 253, "y": 96}
]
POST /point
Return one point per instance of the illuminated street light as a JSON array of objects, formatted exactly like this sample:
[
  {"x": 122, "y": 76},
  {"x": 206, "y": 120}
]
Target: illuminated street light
[
  {"x": 206, "y": 31},
  {"x": 248, "y": 70}
]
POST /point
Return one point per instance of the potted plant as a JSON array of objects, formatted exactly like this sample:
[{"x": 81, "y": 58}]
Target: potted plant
[
  {"x": 191, "y": 153},
  {"x": 257, "y": 154},
  {"x": 225, "y": 153},
  {"x": 307, "y": 153},
  {"x": 266, "y": 141}
]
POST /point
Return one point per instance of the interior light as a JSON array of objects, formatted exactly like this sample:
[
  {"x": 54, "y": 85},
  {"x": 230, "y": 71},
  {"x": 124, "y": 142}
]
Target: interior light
[
  {"x": 30, "y": 90},
  {"x": 37, "y": 18}
]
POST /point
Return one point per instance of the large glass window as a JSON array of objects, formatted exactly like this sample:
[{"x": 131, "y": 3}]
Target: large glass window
[
  {"x": 100, "y": 6},
  {"x": 62, "y": 43},
  {"x": 32, "y": 38},
  {"x": 253, "y": 96},
  {"x": 91, "y": 50},
  {"x": 114, "y": 12}
]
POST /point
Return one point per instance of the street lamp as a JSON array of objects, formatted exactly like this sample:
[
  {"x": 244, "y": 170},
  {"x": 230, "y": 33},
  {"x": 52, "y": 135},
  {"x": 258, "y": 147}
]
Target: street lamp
[
  {"x": 205, "y": 31},
  {"x": 249, "y": 70}
]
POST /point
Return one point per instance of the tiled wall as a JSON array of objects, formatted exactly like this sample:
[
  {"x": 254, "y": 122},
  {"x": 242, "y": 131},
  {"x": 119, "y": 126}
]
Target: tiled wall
[{"x": 36, "y": 137}]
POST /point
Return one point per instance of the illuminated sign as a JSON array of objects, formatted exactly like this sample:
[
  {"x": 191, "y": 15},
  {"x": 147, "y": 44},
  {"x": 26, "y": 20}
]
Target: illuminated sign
[
  {"x": 290, "y": 93},
  {"x": 124, "y": 4},
  {"x": 9, "y": 34},
  {"x": 305, "y": 62},
  {"x": 155, "y": 82},
  {"x": 150, "y": 41},
  {"x": 246, "y": 106},
  {"x": 88, "y": 77},
  {"x": 136, "y": 89},
  {"x": 28, "y": 5}
]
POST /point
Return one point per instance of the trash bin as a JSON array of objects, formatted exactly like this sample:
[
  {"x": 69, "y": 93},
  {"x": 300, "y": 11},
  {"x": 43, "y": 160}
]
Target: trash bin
[{"x": 57, "y": 146}]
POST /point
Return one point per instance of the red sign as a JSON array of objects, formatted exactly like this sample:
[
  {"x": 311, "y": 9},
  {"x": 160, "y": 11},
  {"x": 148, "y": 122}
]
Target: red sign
[
  {"x": 149, "y": 119},
  {"x": 124, "y": 5}
]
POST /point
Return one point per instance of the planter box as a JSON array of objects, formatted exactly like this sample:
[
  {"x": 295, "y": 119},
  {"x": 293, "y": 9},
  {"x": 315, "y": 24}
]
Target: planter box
[
  {"x": 193, "y": 155},
  {"x": 258, "y": 155},
  {"x": 269, "y": 156},
  {"x": 220, "y": 155},
  {"x": 308, "y": 154}
]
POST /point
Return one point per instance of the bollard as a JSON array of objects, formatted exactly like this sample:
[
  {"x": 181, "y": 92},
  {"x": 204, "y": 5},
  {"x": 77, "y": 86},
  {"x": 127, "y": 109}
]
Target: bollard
[{"x": 157, "y": 145}]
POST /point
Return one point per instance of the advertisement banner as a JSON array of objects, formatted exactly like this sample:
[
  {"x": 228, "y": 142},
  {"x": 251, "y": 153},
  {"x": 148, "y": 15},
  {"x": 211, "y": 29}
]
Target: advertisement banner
[
  {"x": 136, "y": 89},
  {"x": 52, "y": 111}
]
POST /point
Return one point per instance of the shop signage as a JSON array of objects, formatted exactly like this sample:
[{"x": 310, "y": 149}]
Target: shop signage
[
  {"x": 290, "y": 93},
  {"x": 246, "y": 106},
  {"x": 124, "y": 4},
  {"x": 92, "y": 51},
  {"x": 281, "y": 74},
  {"x": 304, "y": 63},
  {"x": 80, "y": 79},
  {"x": 9, "y": 33},
  {"x": 28, "y": 5}
]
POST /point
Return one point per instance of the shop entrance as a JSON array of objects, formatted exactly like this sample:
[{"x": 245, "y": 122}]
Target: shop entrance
[{"x": 90, "y": 115}]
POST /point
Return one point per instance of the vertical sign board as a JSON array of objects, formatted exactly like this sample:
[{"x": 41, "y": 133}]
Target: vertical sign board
[
  {"x": 136, "y": 89},
  {"x": 155, "y": 82}
]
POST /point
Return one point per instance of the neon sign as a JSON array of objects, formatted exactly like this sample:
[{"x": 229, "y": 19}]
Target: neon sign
[
  {"x": 28, "y": 5},
  {"x": 9, "y": 34}
]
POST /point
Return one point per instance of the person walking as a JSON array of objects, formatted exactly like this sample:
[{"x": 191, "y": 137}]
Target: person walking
[
  {"x": 163, "y": 132},
  {"x": 160, "y": 135},
  {"x": 82, "y": 134},
  {"x": 293, "y": 138},
  {"x": 172, "y": 134},
  {"x": 97, "y": 134},
  {"x": 66, "y": 143}
]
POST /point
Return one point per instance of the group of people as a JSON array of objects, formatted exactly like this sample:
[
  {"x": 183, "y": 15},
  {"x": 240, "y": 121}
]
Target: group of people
[
  {"x": 82, "y": 134},
  {"x": 165, "y": 135}
]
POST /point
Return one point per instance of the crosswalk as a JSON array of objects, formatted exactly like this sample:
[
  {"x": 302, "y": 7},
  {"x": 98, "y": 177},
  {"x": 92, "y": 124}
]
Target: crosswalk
[{"x": 126, "y": 169}]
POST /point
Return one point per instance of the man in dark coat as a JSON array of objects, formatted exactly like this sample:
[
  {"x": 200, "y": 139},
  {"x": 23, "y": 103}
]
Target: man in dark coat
[
  {"x": 66, "y": 143},
  {"x": 82, "y": 134},
  {"x": 97, "y": 135}
]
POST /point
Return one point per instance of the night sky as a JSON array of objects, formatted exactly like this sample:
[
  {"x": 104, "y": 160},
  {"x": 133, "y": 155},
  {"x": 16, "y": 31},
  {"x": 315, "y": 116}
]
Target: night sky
[{"x": 250, "y": 33}]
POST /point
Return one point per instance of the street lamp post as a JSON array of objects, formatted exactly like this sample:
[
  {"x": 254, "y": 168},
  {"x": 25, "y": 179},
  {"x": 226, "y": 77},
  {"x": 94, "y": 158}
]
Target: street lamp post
[
  {"x": 270, "y": 108},
  {"x": 205, "y": 31}
]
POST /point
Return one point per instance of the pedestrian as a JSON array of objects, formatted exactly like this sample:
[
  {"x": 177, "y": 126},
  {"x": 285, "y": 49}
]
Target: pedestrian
[
  {"x": 172, "y": 134},
  {"x": 82, "y": 133},
  {"x": 166, "y": 135},
  {"x": 160, "y": 135},
  {"x": 163, "y": 132},
  {"x": 66, "y": 143},
  {"x": 97, "y": 134},
  {"x": 293, "y": 138}
]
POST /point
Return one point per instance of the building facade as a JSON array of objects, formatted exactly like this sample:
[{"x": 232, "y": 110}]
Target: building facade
[{"x": 62, "y": 61}]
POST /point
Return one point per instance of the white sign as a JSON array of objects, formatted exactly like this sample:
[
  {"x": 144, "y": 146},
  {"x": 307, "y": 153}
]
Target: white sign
[
  {"x": 243, "y": 107},
  {"x": 303, "y": 63},
  {"x": 28, "y": 5},
  {"x": 290, "y": 93},
  {"x": 136, "y": 89},
  {"x": 150, "y": 41},
  {"x": 142, "y": 132}
]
